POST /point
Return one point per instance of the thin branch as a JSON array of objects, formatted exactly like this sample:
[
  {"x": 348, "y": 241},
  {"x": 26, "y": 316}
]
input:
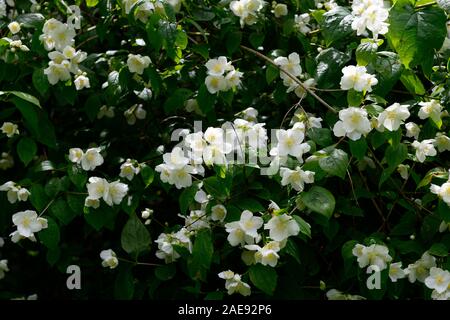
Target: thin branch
[{"x": 267, "y": 59}]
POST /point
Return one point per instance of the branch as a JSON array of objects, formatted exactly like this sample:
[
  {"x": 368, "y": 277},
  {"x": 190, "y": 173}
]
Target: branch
[{"x": 267, "y": 59}]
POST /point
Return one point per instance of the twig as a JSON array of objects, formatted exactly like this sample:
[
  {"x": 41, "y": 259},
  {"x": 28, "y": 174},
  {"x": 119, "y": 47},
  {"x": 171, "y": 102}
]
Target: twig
[{"x": 267, "y": 59}]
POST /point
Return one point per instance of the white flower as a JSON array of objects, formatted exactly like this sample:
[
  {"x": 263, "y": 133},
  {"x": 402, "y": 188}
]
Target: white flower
[
  {"x": 290, "y": 64},
  {"x": 267, "y": 255},
  {"x": 218, "y": 213},
  {"x": 10, "y": 129},
  {"x": 116, "y": 192},
  {"x": 412, "y": 130},
  {"x": 374, "y": 255},
  {"x": 423, "y": 149},
  {"x": 106, "y": 111},
  {"x": 301, "y": 22},
  {"x": 14, "y": 192},
  {"x": 97, "y": 187},
  {"x": 91, "y": 159},
  {"x": 371, "y": 15},
  {"x": 81, "y": 82},
  {"x": 296, "y": 178},
  {"x": 396, "y": 272},
  {"x": 290, "y": 143},
  {"x": 438, "y": 280},
  {"x": 233, "y": 283},
  {"x": 444, "y": 226},
  {"x": 217, "y": 67},
  {"x": 250, "y": 114},
  {"x": 3, "y": 268},
  {"x": 420, "y": 270},
  {"x": 137, "y": 63},
  {"x": 14, "y": 27},
  {"x": 431, "y": 109},
  {"x": 57, "y": 72},
  {"x": 282, "y": 227},
  {"x": 146, "y": 213},
  {"x": 196, "y": 220},
  {"x": 215, "y": 84},
  {"x": 353, "y": 123},
  {"x": 75, "y": 155},
  {"x": 244, "y": 230},
  {"x": 92, "y": 202},
  {"x": 442, "y": 191},
  {"x": 233, "y": 79},
  {"x": 109, "y": 259},
  {"x": 166, "y": 244},
  {"x": 403, "y": 170},
  {"x": 28, "y": 223},
  {"x": 357, "y": 78},
  {"x": 280, "y": 10},
  {"x": 128, "y": 170},
  {"x": 246, "y": 10},
  {"x": 442, "y": 142},
  {"x": 393, "y": 116}
]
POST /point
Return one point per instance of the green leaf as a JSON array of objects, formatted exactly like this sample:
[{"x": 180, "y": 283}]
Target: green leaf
[
  {"x": 249, "y": 204},
  {"x": 52, "y": 187},
  {"x": 176, "y": 100},
  {"x": 77, "y": 175},
  {"x": 37, "y": 122},
  {"x": 412, "y": 82},
  {"x": 272, "y": 73},
  {"x": 232, "y": 42},
  {"x": 165, "y": 272},
  {"x": 320, "y": 200},
  {"x": 395, "y": 155},
  {"x": 200, "y": 260},
  {"x": 358, "y": 148},
  {"x": 439, "y": 250},
  {"x": 187, "y": 197},
  {"x": 256, "y": 39},
  {"x": 61, "y": 210},
  {"x": 354, "y": 98},
  {"x": 26, "y": 149},
  {"x": 366, "y": 52},
  {"x": 104, "y": 216},
  {"x": 444, "y": 211},
  {"x": 50, "y": 236},
  {"x": 264, "y": 278},
  {"x": 217, "y": 187},
  {"x": 40, "y": 81},
  {"x": 24, "y": 96},
  {"x": 30, "y": 20},
  {"x": 124, "y": 284},
  {"x": 38, "y": 198},
  {"x": 205, "y": 100},
  {"x": 335, "y": 163},
  {"x": 388, "y": 70},
  {"x": 147, "y": 174},
  {"x": 386, "y": 175},
  {"x": 135, "y": 237},
  {"x": 329, "y": 67},
  {"x": 91, "y": 3},
  {"x": 321, "y": 136},
  {"x": 305, "y": 227},
  {"x": 337, "y": 25},
  {"x": 416, "y": 33},
  {"x": 291, "y": 249}
]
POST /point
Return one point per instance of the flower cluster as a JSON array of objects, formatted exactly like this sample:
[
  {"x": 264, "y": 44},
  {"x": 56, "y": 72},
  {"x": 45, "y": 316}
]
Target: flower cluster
[
  {"x": 222, "y": 76},
  {"x": 167, "y": 243},
  {"x": 89, "y": 160},
  {"x": 370, "y": 15},
  {"x": 28, "y": 223},
  {"x": 111, "y": 192},
  {"x": 64, "y": 60},
  {"x": 373, "y": 255},
  {"x": 14, "y": 192},
  {"x": 234, "y": 283},
  {"x": 246, "y": 10},
  {"x": 357, "y": 78}
]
